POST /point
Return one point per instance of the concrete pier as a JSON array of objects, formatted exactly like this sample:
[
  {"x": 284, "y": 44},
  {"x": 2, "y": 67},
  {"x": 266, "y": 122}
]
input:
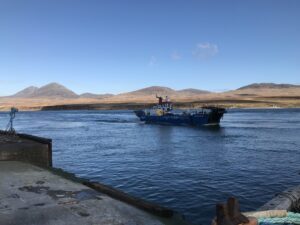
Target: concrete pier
[
  {"x": 26, "y": 148},
  {"x": 34, "y": 193}
]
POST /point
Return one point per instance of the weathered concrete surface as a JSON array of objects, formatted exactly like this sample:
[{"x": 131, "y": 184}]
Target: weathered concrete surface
[
  {"x": 30, "y": 195},
  {"x": 288, "y": 200},
  {"x": 25, "y": 148}
]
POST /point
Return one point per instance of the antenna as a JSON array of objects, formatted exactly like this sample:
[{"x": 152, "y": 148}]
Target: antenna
[{"x": 12, "y": 114}]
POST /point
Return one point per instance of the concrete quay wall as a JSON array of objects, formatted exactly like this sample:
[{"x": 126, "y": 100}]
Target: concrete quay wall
[{"x": 26, "y": 148}]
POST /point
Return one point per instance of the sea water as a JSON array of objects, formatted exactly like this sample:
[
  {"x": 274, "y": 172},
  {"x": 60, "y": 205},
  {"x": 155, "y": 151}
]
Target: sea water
[{"x": 253, "y": 155}]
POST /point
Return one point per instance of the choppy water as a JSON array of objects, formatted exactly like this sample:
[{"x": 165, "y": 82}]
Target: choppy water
[{"x": 253, "y": 155}]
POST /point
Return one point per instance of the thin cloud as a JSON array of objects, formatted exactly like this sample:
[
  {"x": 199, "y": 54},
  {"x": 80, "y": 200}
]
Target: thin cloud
[
  {"x": 175, "y": 55},
  {"x": 205, "y": 50},
  {"x": 152, "y": 61}
]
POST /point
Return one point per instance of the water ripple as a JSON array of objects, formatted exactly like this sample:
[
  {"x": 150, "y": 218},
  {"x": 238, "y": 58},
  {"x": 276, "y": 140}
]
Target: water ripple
[{"x": 253, "y": 155}]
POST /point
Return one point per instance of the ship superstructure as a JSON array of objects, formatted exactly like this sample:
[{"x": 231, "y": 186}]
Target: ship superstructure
[{"x": 163, "y": 113}]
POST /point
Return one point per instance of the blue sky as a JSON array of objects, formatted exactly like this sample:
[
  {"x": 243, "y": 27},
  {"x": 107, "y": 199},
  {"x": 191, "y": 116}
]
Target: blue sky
[{"x": 117, "y": 46}]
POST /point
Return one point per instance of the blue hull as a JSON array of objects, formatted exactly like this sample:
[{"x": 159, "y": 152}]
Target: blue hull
[{"x": 181, "y": 119}]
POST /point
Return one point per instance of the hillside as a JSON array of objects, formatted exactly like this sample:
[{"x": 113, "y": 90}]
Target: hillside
[
  {"x": 52, "y": 90},
  {"x": 55, "y": 90},
  {"x": 268, "y": 89},
  {"x": 253, "y": 95},
  {"x": 268, "y": 86},
  {"x": 26, "y": 93},
  {"x": 96, "y": 96},
  {"x": 153, "y": 90},
  {"x": 193, "y": 91},
  {"x": 148, "y": 94}
]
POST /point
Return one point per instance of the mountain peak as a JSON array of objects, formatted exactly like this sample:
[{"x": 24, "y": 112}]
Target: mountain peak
[
  {"x": 53, "y": 84},
  {"x": 51, "y": 90},
  {"x": 27, "y": 92},
  {"x": 267, "y": 86},
  {"x": 154, "y": 90},
  {"x": 193, "y": 91},
  {"x": 55, "y": 90}
]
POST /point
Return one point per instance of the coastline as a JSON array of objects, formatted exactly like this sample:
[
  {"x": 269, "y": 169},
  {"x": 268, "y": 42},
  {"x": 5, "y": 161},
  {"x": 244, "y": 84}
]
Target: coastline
[
  {"x": 44, "y": 104},
  {"x": 226, "y": 103}
]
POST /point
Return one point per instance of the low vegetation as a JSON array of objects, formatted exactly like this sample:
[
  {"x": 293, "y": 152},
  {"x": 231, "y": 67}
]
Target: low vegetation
[{"x": 56, "y": 96}]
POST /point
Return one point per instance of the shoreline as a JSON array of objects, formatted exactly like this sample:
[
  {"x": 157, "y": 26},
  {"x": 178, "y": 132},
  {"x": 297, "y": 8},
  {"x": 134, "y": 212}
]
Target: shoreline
[
  {"x": 138, "y": 106},
  {"x": 121, "y": 109},
  {"x": 229, "y": 103}
]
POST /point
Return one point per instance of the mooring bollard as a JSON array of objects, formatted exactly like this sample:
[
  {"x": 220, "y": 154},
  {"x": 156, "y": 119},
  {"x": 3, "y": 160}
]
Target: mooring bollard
[{"x": 230, "y": 214}]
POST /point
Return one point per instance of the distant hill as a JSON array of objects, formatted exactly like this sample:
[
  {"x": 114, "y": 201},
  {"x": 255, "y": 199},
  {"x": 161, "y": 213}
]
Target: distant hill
[
  {"x": 253, "y": 95},
  {"x": 193, "y": 91},
  {"x": 148, "y": 94},
  {"x": 159, "y": 90},
  {"x": 268, "y": 86},
  {"x": 58, "y": 91},
  {"x": 55, "y": 90},
  {"x": 52, "y": 90},
  {"x": 153, "y": 90},
  {"x": 26, "y": 93},
  {"x": 267, "y": 89},
  {"x": 97, "y": 96}
]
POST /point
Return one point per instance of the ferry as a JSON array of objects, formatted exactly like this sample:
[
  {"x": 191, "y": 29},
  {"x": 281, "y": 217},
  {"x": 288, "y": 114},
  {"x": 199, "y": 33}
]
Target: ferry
[{"x": 164, "y": 114}]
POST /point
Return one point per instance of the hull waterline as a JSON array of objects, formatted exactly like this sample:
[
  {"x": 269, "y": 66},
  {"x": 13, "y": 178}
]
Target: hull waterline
[{"x": 198, "y": 119}]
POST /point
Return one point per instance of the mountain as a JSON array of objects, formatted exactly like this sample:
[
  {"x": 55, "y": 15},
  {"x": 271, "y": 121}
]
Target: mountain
[
  {"x": 58, "y": 91},
  {"x": 268, "y": 86},
  {"x": 253, "y": 95},
  {"x": 96, "y": 96},
  {"x": 26, "y": 93},
  {"x": 153, "y": 90},
  {"x": 159, "y": 90},
  {"x": 52, "y": 90},
  {"x": 267, "y": 89},
  {"x": 193, "y": 91},
  {"x": 55, "y": 90},
  {"x": 148, "y": 94}
]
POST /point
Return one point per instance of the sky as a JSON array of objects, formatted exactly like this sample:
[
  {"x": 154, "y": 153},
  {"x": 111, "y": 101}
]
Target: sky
[{"x": 115, "y": 46}]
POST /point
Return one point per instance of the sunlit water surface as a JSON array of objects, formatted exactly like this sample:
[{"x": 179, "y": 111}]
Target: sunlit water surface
[{"x": 253, "y": 155}]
